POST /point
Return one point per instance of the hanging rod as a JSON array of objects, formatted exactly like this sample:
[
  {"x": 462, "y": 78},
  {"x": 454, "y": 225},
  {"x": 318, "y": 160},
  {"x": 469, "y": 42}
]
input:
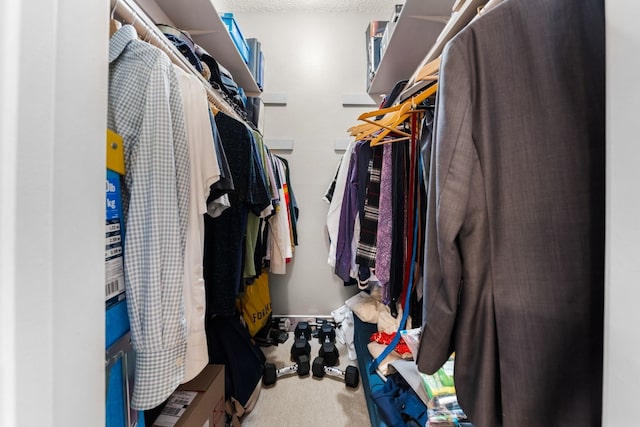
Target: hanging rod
[{"x": 131, "y": 14}]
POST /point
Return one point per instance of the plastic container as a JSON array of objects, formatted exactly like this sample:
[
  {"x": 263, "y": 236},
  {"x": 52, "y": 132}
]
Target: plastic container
[{"x": 236, "y": 35}]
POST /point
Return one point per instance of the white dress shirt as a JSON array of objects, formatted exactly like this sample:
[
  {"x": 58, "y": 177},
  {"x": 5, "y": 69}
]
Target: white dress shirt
[{"x": 145, "y": 108}]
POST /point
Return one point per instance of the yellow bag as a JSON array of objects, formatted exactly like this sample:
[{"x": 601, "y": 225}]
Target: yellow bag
[{"x": 255, "y": 304}]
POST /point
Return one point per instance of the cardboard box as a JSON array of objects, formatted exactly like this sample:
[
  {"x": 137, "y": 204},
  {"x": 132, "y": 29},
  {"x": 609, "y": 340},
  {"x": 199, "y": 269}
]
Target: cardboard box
[
  {"x": 119, "y": 377},
  {"x": 198, "y": 403},
  {"x": 374, "y": 34},
  {"x": 391, "y": 25}
]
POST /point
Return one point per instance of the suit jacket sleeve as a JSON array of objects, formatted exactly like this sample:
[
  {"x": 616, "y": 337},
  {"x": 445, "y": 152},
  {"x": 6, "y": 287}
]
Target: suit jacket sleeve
[{"x": 453, "y": 163}]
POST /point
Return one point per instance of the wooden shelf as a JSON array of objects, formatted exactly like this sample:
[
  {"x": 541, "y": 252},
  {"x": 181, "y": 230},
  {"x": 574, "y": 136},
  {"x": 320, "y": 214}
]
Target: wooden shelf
[
  {"x": 415, "y": 32},
  {"x": 201, "y": 19}
]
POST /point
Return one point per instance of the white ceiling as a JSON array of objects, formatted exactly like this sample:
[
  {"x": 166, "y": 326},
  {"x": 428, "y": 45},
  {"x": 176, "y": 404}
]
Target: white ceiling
[{"x": 262, "y": 6}]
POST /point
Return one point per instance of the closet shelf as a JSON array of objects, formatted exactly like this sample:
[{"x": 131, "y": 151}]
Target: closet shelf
[
  {"x": 201, "y": 19},
  {"x": 418, "y": 26}
]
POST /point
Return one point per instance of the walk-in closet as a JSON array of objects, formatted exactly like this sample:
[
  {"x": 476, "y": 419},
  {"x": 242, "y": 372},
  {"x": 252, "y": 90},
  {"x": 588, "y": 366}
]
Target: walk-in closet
[{"x": 321, "y": 213}]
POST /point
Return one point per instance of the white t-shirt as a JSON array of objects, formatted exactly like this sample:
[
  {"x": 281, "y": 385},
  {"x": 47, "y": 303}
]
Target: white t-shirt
[{"x": 204, "y": 171}]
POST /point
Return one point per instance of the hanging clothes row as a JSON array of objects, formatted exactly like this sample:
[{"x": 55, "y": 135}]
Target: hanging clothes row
[
  {"x": 129, "y": 12},
  {"x": 260, "y": 209},
  {"x": 513, "y": 233},
  {"x": 196, "y": 183},
  {"x": 371, "y": 213}
]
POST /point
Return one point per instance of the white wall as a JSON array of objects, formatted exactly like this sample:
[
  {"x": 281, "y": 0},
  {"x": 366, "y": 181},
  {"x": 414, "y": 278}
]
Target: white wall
[
  {"x": 53, "y": 78},
  {"x": 52, "y": 111},
  {"x": 314, "y": 59},
  {"x": 622, "y": 313}
]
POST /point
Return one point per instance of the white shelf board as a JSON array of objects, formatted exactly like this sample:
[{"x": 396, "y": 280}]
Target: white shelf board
[
  {"x": 341, "y": 144},
  {"x": 271, "y": 99},
  {"x": 357, "y": 100},
  {"x": 202, "y": 21},
  {"x": 279, "y": 144},
  {"x": 417, "y": 29}
]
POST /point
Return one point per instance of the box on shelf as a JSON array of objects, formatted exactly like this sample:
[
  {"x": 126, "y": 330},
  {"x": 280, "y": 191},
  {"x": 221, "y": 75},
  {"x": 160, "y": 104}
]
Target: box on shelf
[
  {"x": 236, "y": 35},
  {"x": 388, "y": 32},
  {"x": 120, "y": 379},
  {"x": 256, "y": 61},
  {"x": 374, "y": 34},
  {"x": 118, "y": 350},
  {"x": 197, "y": 403},
  {"x": 114, "y": 238},
  {"x": 385, "y": 38},
  {"x": 255, "y": 107},
  {"x": 396, "y": 12},
  {"x": 114, "y": 231},
  {"x": 261, "y": 69}
]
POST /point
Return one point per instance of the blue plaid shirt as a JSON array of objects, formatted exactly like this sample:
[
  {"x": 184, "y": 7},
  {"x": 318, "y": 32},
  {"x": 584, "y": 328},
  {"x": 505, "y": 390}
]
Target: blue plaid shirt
[{"x": 146, "y": 109}]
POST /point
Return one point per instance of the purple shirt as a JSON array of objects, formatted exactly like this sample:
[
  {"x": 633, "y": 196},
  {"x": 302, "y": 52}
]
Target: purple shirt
[{"x": 344, "y": 250}]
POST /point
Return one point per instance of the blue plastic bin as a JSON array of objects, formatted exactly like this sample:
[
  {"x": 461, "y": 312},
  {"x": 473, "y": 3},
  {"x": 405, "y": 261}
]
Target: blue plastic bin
[{"x": 236, "y": 35}]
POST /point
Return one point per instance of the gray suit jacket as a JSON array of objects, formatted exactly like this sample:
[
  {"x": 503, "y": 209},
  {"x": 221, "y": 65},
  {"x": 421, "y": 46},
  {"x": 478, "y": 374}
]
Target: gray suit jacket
[{"x": 514, "y": 254}]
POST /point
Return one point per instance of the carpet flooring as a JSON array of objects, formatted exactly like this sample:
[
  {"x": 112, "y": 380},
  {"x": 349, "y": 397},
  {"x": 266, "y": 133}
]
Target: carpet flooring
[{"x": 308, "y": 401}]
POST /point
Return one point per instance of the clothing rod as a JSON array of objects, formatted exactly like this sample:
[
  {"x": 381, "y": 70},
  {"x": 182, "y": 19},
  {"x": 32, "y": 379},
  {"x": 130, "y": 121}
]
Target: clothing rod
[{"x": 131, "y": 13}]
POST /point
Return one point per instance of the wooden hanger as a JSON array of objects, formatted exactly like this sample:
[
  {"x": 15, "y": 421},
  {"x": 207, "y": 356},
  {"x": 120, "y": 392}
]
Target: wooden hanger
[
  {"x": 409, "y": 108},
  {"x": 365, "y": 130},
  {"x": 429, "y": 71},
  {"x": 399, "y": 120},
  {"x": 388, "y": 123},
  {"x": 380, "y": 112},
  {"x": 369, "y": 127},
  {"x": 378, "y": 131},
  {"x": 114, "y": 24},
  {"x": 421, "y": 97},
  {"x": 422, "y": 79},
  {"x": 388, "y": 128},
  {"x": 394, "y": 116}
]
